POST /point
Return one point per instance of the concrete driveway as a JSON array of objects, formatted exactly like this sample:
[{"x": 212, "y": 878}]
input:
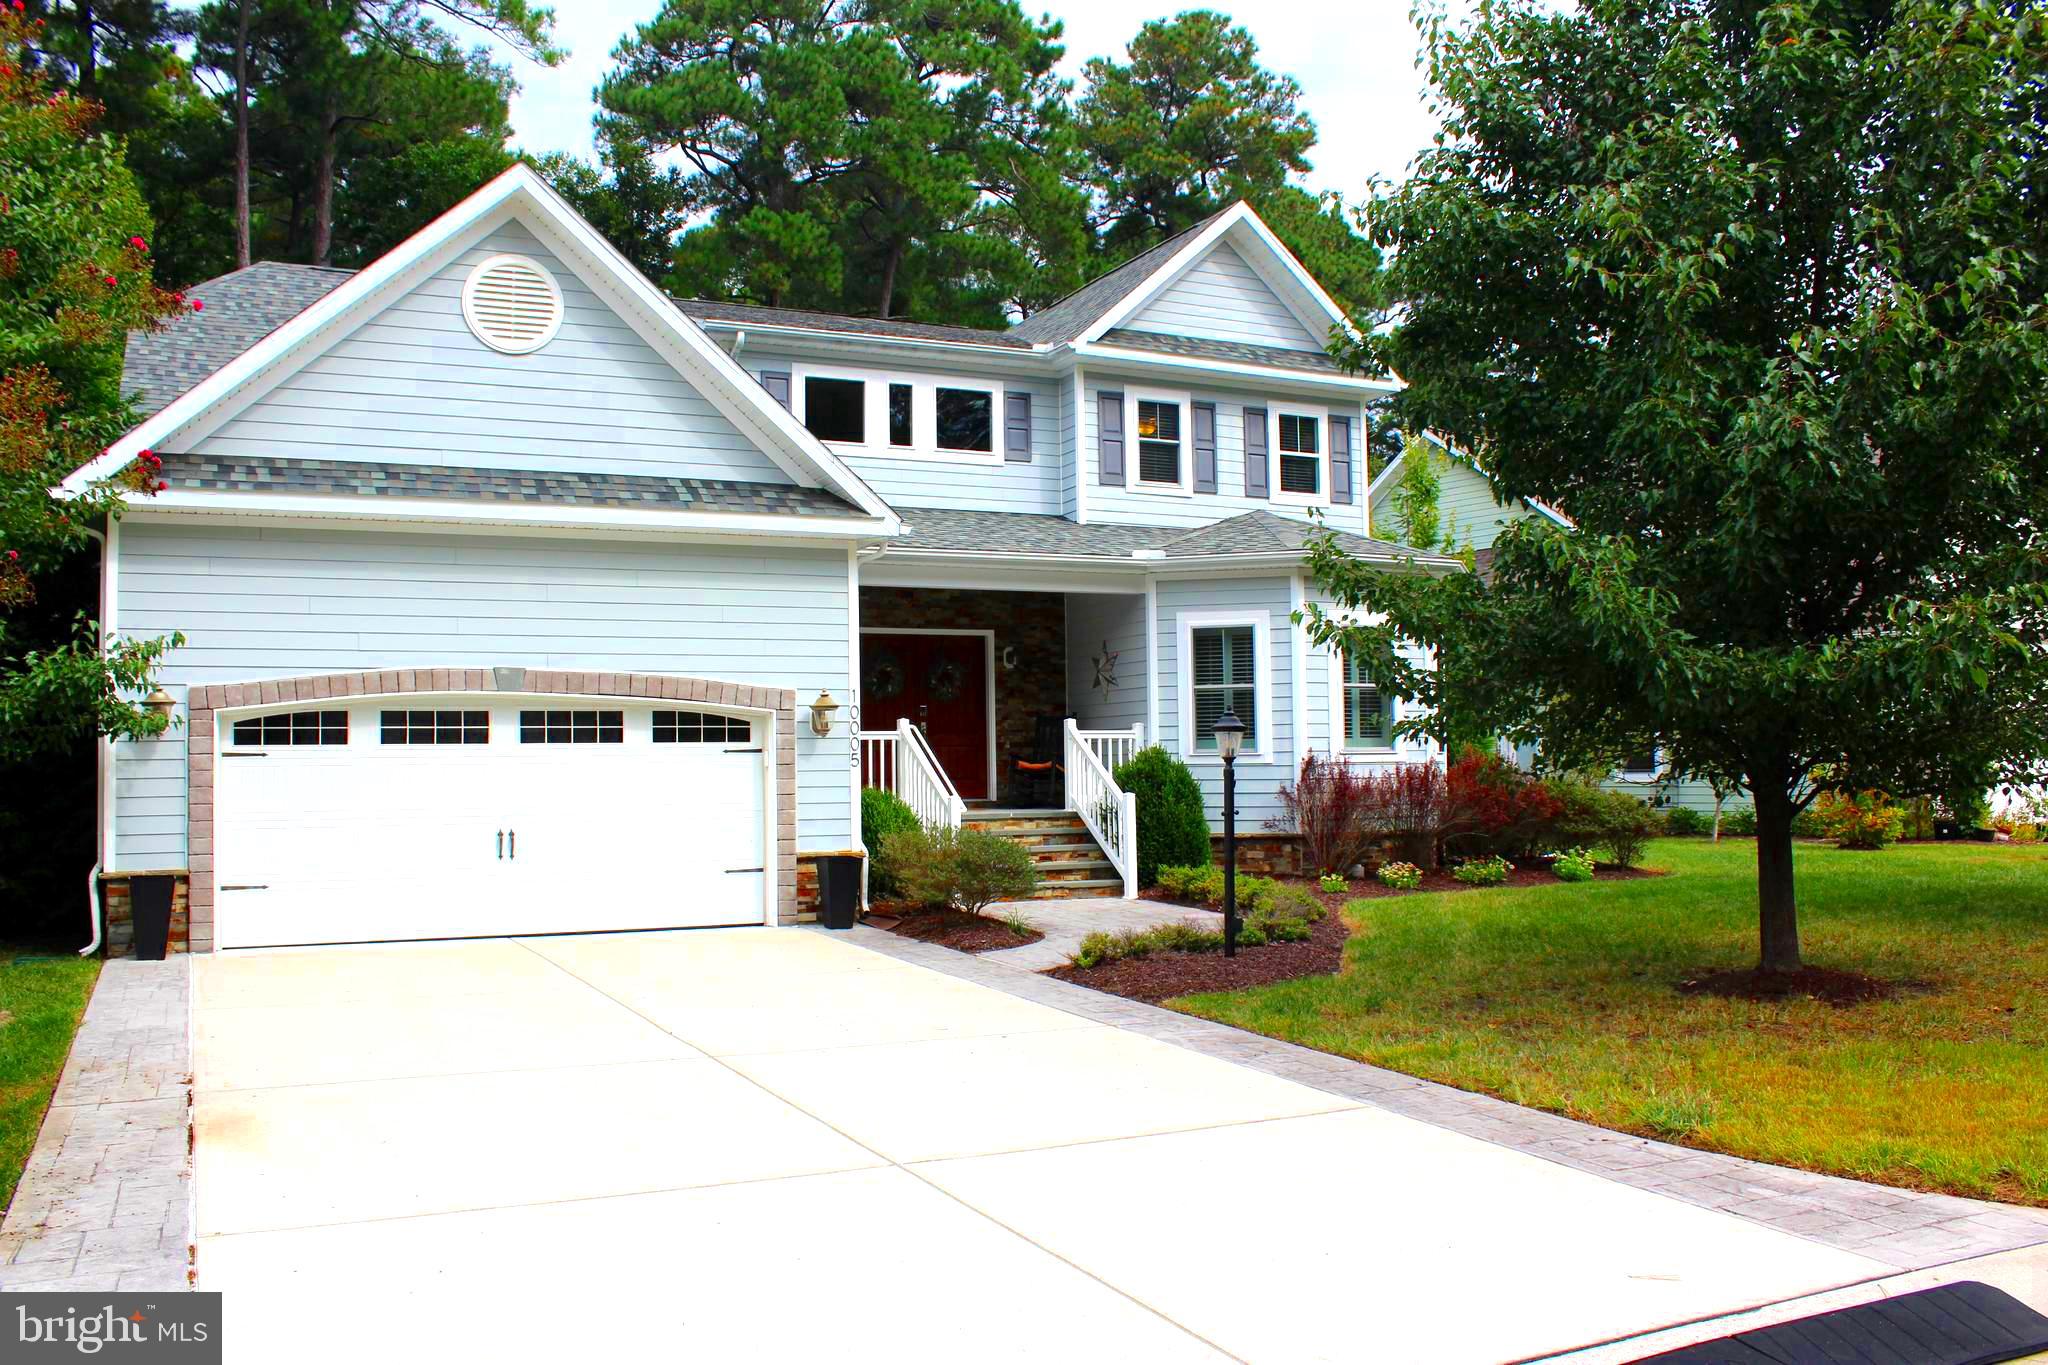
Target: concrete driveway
[{"x": 770, "y": 1144}]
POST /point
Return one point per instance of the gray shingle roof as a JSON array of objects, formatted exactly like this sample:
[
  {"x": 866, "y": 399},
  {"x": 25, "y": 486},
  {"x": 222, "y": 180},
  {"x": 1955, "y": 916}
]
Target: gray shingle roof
[
  {"x": 1202, "y": 348},
  {"x": 241, "y": 308},
  {"x": 647, "y": 492},
  {"x": 748, "y": 314},
  {"x": 1072, "y": 315},
  {"x": 1251, "y": 533}
]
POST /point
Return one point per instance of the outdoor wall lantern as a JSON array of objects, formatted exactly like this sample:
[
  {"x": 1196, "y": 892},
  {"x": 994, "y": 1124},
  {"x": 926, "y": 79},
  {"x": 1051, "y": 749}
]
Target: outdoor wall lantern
[
  {"x": 1229, "y": 732},
  {"x": 160, "y": 703},
  {"x": 821, "y": 714}
]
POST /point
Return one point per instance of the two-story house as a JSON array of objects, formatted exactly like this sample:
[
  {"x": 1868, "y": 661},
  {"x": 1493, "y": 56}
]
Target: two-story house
[{"x": 519, "y": 598}]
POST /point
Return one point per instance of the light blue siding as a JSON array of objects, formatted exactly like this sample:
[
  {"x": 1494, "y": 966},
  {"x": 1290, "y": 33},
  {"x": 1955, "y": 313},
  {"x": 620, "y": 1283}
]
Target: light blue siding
[
  {"x": 414, "y": 385},
  {"x": 270, "y": 602},
  {"x": 1693, "y": 795},
  {"x": 1324, "y": 724},
  {"x": 1116, "y": 623},
  {"x": 1222, "y": 297},
  {"x": 1464, "y": 499},
  {"x": 1131, "y": 504},
  {"x": 1259, "y": 778},
  {"x": 990, "y": 485}
]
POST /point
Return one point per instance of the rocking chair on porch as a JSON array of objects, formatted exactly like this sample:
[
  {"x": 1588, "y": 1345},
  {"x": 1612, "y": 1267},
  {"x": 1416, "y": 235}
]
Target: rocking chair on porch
[{"x": 1036, "y": 778}]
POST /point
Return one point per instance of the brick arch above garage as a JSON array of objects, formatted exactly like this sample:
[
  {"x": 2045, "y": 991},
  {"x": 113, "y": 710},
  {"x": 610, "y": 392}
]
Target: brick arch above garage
[{"x": 202, "y": 702}]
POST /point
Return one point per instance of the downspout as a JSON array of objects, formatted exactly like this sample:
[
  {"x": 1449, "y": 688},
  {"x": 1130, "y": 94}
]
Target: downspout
[
  {"x": 739, "y": 339},
  {"x": 103, "y": 835}
]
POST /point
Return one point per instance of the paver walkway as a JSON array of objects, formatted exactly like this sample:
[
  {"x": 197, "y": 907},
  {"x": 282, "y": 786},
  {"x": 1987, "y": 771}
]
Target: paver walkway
[
  {"x": 1066, "y": 922},
  {"x": 1901, "y": 1228},
  {"x": 104, "y": 1203}
]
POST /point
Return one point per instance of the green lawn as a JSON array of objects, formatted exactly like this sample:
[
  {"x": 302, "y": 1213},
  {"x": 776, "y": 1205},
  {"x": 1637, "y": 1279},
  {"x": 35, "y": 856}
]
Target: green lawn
[
  {"x": 40, "y": 1003},
  {"x": 1561, "y": 997}
]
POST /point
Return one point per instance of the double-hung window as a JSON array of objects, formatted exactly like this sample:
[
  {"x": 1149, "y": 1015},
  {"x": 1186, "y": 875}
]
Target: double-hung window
[
  {"x": 836, "y": 409},
  {"x": 1368, "y": 711},
  {"x": 1160, "y": 460},
  {"x": 900, "y": 428},
  {"x": 966, "y": 419},
  {"x": 1224, "y": 678},
  {"x": 1301, "y": 454}
]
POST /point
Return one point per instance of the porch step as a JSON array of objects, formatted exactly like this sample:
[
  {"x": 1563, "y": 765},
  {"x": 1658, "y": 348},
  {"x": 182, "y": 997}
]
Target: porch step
[{"x": 1065, "y": 855}]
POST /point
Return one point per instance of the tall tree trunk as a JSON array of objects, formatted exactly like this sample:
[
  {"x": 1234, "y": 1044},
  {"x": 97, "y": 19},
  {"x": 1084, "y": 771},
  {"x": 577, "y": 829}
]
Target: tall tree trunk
[
  {"x": 89, "y": 56},
  {"x": 889, "y": 278},
  {"x": 323, "y": 180},
  {"x": 1777, "y": 909},
  {"x": 242, "y": 246}
]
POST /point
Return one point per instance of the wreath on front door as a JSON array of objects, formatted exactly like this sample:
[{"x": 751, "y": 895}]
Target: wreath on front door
[
  {"x": 885, "y": 676},
  {"x": 947, "y": 678}
]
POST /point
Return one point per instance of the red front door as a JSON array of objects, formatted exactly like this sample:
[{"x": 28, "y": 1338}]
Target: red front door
[{"x": 938, "y": 683}]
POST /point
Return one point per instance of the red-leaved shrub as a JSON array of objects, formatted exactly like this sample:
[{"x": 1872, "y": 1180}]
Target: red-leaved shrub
[
  {"x": 1499, "y": 809},
  {"x": 1331, "y": 806}
]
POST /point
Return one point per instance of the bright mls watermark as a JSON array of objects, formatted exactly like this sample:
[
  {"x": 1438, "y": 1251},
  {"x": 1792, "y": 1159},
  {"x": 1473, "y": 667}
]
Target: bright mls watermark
[{"x": 170, "y": 1328}]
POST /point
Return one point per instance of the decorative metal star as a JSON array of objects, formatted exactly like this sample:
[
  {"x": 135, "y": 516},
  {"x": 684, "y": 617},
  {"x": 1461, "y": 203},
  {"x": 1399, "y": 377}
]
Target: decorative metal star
[{"x": 1105, "y": 667}]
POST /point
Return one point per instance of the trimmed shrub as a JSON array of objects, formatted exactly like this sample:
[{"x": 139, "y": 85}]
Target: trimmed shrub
[
  {"x": 1573, "y": 865},
  {"x": 1866, "y": 820},
  {"x": 1172, "y": 830},
  {"x": 1255, "y": 895},
  {"x": 1740, "y": 821},
  {"x": 1685, "y": 822},
  {"x": 965, "y": 868},
  {"x": 1483, "y": 871},
  {"x": 1615, "y": 821},
  {"x": 1808, "y": 825},
  {"x": 1499, "y": 809},
  {"x": 1400, "y": 876},
  {"x": 882, "y": 813}
]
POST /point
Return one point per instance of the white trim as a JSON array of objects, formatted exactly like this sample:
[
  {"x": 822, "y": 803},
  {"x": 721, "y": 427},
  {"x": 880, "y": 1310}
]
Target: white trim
[
  {"x": 1186, "y": 624},
  {"x": 359, "y": 507},
  {"x": 1078, "y": 466},
  {"x": 1297, "y": 637},
  {"x": 1238, "y": 220},
  {"x": 1152, "y": 657},
  {"x": 852, "y": 712},
  {"x": 1156, "y": 564},
  {"x": 519, "y": 192},
  {"x": 924, "y": 412},
  {"x": 988, "y": 641},
  {"x": 481, "y": 328},
  {"x": 1038, "y": 348},
  {"x": 1320, "y": 415},
  {"x": 109, "y": 757},
  {"x": 1339, "y": 714},
  {"x": 1267, "y": 375},
  {"x": 1134, "y": 465}
]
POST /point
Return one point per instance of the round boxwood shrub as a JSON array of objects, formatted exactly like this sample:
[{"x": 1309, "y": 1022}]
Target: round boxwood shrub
[
  {"x": 1172, "y": 831},
  {"x": 882, "y": 813}
]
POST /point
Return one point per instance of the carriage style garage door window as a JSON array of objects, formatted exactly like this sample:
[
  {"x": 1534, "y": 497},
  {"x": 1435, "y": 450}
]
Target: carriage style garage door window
[{"x": 450, "y": 819}]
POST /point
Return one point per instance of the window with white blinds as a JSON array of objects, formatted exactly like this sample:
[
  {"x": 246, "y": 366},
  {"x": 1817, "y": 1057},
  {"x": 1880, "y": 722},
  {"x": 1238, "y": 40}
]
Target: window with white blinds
[
  {"x": 1301, "y": 459},
  {"x": 1159, "y": 457},
  {"x": 1225, "y": 678},
  {"x": 1368, "y": 712}
]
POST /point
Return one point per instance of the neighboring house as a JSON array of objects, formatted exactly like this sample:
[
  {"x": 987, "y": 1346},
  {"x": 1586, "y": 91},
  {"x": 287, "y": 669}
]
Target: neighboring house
[
  {"x": 1473, "y": 515},
  {"x": 517, "y": 596}
]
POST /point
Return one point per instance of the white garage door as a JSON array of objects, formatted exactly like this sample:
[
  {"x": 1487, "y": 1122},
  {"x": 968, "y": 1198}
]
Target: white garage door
[{"x": 458, "y": 817}]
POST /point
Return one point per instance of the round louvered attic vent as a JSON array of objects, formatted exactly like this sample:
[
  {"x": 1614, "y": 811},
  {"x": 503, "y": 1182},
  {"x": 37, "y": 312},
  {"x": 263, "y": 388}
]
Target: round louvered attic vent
[{"x": 513, "y": 304}]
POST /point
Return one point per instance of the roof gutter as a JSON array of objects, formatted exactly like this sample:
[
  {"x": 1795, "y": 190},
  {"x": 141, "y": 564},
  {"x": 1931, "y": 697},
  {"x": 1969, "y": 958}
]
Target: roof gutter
[
  {"x": 867, "y": 338},
  {"x": 1144, "y": 562}
]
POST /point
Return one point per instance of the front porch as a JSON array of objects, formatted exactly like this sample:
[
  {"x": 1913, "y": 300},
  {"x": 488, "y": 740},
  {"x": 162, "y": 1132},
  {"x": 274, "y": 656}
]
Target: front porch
[{"x": 967, "y": 709}]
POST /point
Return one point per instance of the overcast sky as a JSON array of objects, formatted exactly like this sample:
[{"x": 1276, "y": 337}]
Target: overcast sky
[{"x": 1355, "y": 60}]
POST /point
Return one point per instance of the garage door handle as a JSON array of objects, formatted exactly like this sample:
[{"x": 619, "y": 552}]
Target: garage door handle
[
  {"x": 730, "y": 870},
  {"x": 501, "y": 845},
  {"x": 513, "y": 841}
]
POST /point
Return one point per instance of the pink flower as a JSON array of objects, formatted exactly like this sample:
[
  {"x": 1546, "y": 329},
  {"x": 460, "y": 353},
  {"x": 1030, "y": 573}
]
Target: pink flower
[
  {"x": 14, "y": 554},
  {"x": 111, "y": 281},
  {"x": 138, "y": 244},
  {"x": 198, "y": 305}
]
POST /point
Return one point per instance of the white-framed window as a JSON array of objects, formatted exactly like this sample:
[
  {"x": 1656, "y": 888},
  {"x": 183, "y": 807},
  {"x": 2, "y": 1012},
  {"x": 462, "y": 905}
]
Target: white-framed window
[
  {"x": 434, "y": 727},
  {"x": 1366, "y": 711},
  {"x": 897, "y": 415},
  {"x": 283, "y": 729},
  {"x": 1301, "y": 455},
  {"x": 1160, "y": 441},
  {"x": 1642, "y": 765},
  {"x": 699, "y": 727},
  {"x": 1225, "y": 664},
  {"x": 964, "y": 419}
]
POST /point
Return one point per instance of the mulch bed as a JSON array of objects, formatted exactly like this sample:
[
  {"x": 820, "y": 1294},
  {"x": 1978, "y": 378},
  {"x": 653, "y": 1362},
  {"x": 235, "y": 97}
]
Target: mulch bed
[
  {"x": 1371, "y": 888},
  {"x": 954, "y": 929},
  {"x": 1824, "y": 984},
  {"x": 1164, "y": 975}
]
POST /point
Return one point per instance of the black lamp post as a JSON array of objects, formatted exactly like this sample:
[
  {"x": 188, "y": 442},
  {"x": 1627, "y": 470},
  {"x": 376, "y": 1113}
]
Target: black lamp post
[{"x": 1229, "y": 732}]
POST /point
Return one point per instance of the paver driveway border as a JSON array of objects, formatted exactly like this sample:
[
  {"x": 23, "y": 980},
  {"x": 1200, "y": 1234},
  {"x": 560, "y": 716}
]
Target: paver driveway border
[{"x": 1901, "y": 1228}]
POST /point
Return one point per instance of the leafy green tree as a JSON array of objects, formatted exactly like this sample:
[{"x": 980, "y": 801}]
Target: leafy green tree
[
  {"x": 1755, "y": 293},
  {"x": 1193, "y": 122},
  {"x": 74, "y": 278},
  {"x": 634, "y": 203},
  {"x": 889, "y": 157},
  {"x": 1417, "y": 498}
]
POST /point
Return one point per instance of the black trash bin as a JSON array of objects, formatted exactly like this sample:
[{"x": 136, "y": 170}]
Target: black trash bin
[
  {"x": 838, "y": 890},
  {"x": 149, "y": 910}
]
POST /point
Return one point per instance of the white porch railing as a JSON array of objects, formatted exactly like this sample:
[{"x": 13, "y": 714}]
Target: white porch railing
[
  {"x": 1110, "y": 812},
  {"x": 900, "y": 761},
  {"x": 1115, "y": 747}
]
